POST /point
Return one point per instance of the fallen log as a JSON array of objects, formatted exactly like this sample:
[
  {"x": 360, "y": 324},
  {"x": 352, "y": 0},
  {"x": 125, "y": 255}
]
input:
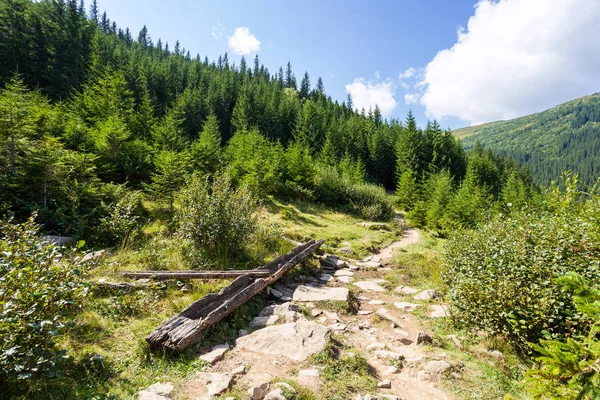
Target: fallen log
[
  {"x": 185, "y": 328},
  {"x": 164, "y": 275}
]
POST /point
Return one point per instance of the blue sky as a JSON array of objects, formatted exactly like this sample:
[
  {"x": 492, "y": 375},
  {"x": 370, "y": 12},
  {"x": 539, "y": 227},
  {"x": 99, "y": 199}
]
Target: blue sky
[{"x": 401, "y": 54}]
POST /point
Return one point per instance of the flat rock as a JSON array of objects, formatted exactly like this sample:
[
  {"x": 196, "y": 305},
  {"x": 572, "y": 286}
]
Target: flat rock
[
  {"x": 259, "y": 322},
  {"x": 286, "y": 386},
  {"x": 376, "y": 302},
  {"x": 337, "y": 326},
  {"x": 428, "y": 294},
  {"x": 387, "y": 355},
  {"x": 332, "y": 316},
  {"x": 297, "y": 340},
  {"x": 241, "y": 370},
  {"x": 391, "y": 370},
  {"x": 401, "y": 332},
  {"x": 406, "y": 290},
  {"x": 275, "y": 293},
  {"x": 279, "y": 309},
  {"x": 376, "y": 346},
  {"x": 384, "y": 384},
  {"x": 369, "y": 286},
  {"x": 365, "y": 312},
  {"x": 332, "y": 261},
  {"x": 157, "y": 391},
  {"x": 344, "y": 272},
  {"x": 312, "y": 293},
  {"x": 94, "y": 255},
  {"x": 437, "y": 367},
  {"x": 345, "y": 279},
  {"x": 325, "y": 277},
  {"x": 276, "y": 394},
  {"x": 439, "y": 311},
  {"x": 216, "y": 383},
  {"x": 259, "y": 392},
  {"x": 424, "y": 376},
  {"x": 385, "y": 314},
  {"x": 406, "y": 306},
  {"x": 215, "y": 354},
  {"x": 369, "y": 264}
]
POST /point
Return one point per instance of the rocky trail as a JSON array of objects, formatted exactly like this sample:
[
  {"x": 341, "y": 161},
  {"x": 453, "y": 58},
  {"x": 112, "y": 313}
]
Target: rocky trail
[{"x": 298, "y": 323}]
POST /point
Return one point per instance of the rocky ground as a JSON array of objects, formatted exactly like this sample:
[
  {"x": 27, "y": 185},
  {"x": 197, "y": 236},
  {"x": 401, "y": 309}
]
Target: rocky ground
[{"x": 299, "y": 323}]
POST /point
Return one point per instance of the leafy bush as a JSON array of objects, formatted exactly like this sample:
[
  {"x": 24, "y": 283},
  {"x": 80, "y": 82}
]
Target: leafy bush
[
  {"x": 502, "y": 277},
  {"x": 218, "y": 219},
  {"x": 124, "y": 218},
  {"x": 39, "y": 288},
  {"x": 369, "y": 201},
  {"x": 571, "y": 369}
]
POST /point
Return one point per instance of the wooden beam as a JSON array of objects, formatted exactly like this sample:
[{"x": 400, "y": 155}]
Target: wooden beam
[{"x": 163, "y": 275}]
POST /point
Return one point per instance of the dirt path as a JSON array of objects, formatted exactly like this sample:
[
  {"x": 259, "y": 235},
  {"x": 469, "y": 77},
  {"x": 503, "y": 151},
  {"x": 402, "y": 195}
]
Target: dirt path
[{"x": 409, "y": 237}]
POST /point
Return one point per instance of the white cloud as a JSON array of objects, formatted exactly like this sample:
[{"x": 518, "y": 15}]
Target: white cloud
[
  {"x": 367, "y": 94},
  {"x": 217, "y": 30},
  {"x": 411, "y": 98},
  {"x": 243, "y": 42},
  {"x": 408, "y": 73},
  {"x": 516, "y": 57}
]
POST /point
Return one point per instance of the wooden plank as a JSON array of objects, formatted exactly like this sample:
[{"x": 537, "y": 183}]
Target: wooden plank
[
  {"x": 185, "y": 328},
  {"x": 163, "y": 275}
]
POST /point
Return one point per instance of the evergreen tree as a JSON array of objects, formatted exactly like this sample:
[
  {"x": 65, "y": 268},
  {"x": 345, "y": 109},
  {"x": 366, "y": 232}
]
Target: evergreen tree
[
  {"x": 305, "y": 86},
  {"x": 206, "y": 151}
]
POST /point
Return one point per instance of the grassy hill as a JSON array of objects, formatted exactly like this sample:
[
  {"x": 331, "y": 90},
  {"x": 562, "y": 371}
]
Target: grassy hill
[{"x": 566, "y": 137}]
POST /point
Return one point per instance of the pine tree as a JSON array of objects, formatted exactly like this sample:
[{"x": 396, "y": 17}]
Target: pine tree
[
  {"x": 94, "y": 11},
  {"x": 305, "y": 86},
  {"x": 169, "y": 176},
  {"x": 290, "y": 79},
  {"x": 407, "y": 190},
  {"x": 206, "y": 151}
]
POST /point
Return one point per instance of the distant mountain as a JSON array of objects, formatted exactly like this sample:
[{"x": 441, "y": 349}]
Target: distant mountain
[{"x": 566, "y": 137}]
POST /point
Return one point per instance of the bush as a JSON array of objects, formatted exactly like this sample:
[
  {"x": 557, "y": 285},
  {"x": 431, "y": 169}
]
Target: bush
[
  {"x": 124, "y": 218},
  {"x": 502, "y": 277},
  {"x": 218, "y": 219},
  {"x": 39, "y": 288}
]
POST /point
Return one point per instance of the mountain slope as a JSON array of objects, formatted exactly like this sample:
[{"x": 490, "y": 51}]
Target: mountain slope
[{"x": 566, "y": 137}]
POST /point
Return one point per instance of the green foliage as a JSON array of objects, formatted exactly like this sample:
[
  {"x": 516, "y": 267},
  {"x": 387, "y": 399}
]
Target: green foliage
[
  {"x": 123, "y": 220},
  {"x": 39, "y": 289},
  {"x": 216, "y": 218},
  {"x": 206, "y": 151},
  {"x": 406, "y": 191},
  {"x": 502, "y": 277},
  {"x": 571, "y": 369},
  {"x": 171, "y": 168}
]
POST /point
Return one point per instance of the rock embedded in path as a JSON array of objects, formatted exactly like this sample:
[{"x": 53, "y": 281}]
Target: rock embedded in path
[
  {"x": 325, "y": 277},
  {"x": 376, "y": 346},
  {"x": 376, "y": 302},
  {"x": 384, "y": 384},
  {"x": 337, "y": 326},
  {"x": 259, "y": 322},
  {"x": 332, "y": 262},
  {"x": 387, "y": 355},
  {"x": 439, "y": 311},
  {"x": 344, "y": 272},
  {"x": 364, "y": 312},
  {"x": 313, "y": 293},
  {"x": 428, "y": 294},
  {"x": 369, "y": 265},
  {"x": 157, "y": 391},
  {"x": 259, "y": 392},
  {"x": 215, "y": 354},
  {"x": 405, "y": 290},
  {"x": 385, "y": 314},
  {"x": 276, "y": 394},
  {"x": 345, "y": 279},
  {"x": 437, "y": 367},
  {"x": 297, "y": 340},
  {"x": 406, "y": 306},
  {"x": 216, "y": 383},
  {"x": 369, "y": 286},
  {"x": 422, "y": 337}
]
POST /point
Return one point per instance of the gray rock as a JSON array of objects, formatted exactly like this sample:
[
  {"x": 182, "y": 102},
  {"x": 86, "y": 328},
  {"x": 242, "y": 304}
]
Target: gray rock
[
  {"x": 428, "y": 294},
  {"x": 369, "y": 264},
  {"x": 385, "y": 314},
  {"x": 392, "y": 370},
  {"x": 312, "y": 293},
  {"x": 456, "y": 341},
  {"x": 57, "y": 240},
  {"x": 157, "y": 391},
  {"x": 259, "y": 392},
  {"x": 424, "y": 376},
  {"x": 297, "y": 340},
  {"x": 325, "y": 277},
  {"x": 332, "y": 262},
  {"x": 279, "y": 309},
  {"x": 315, "y": 312},
  {"x": 406, "y": 306},
  {"x": 259, "y": 322},
  {"x": 388, "y": 396},
  {"x": 401, "y": 332},
  {"x": 215, "y": 354},
  {"x": 337, "y": 327},
  {"x": 369, "y": 286},
  {"x": 98, "y": 358},
  {"x": 365, "y": 312},
  {"x": 286, "y": 387},
  {"x": 384, "y": 384},
  {"x": 94, "y": 255},
  {"x": 376, "y": 346},
  {"x": 241, "y": 370},
  {"x": 422, "y": 337},
  {"x": 242, "y": 332},
  {"x": 276, "y": 394},
  {"x": 332, "y": 316},
  {"x": 276, "y": 293},
  {"x": 439, "y": 311},
  {"x": 406, "y": 290},
  {"x": 387, "y": 355},
  {"x": 344, "y": 272},
  {"x": 216, "y": 383},
  {"x": 437, "y": 367},
  {"x": 376, "y": 302},
  {"x": 345, "y": 279}
]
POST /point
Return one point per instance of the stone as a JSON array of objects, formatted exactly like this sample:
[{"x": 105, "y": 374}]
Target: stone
[
  {"x": 325, "y": 277},
  {"x": 286, "y": 387},
  {"x": 422, "y": 337},
  {"x": 437, "y": 367},
  {"x": 259, "y": 392},
  {"x": 259, "y": 322},
  {"x": 99, "y": 358},
  {"x": 312, "y": 293},
  {"x": 439, "y": 311},
  {"x": 376, "y": 346},
  {"x": 332, "y": 316},
  {"x": 337, "y": 327},
  {"x": 496, "y": 354},
  {"x": 279, "y": 309},
  {"x": 242, "y": 332},
  {"x": 376, "y": 302},
  {"x": 387, "y": 355},
  {"x": 94, "y": 255},
  {"x": 312, "y": 373},
  {"x": 241, "y": 370},
  {"x": 345, "y": 279},
  {"x": 369, "y": 264},
  {"x": 392, "y": 369},
  {"x": 413, "y": 362},
  {"x": 369, "y": 286},
  {"x": 344, "y": 272},
  {"x": 276, "y": 293},
  {"x": 406, "y": 290},
  {"x": 215, "y": 354},
  {"x": 424, "y": 376},
  {"x": 364, "y": 312},
  {"x": 57, "y": 240},
  {"x": 216, "y": 383},
  {"x": 297, "y": 340},
  {"x": 385, "y": 314},
  {"x": 332, "y": 261},
  {"x": 384, "y": 384},
  {"x": 428, "y": 294},
  {"x": 276, "y": 394},
  {"x": 401, "y": 332},
  {"x": 156, "y": 391},
  {"x": 353, "y": 267},
  {"x": 405, "y": 306},
  {"x": 315, "y": 312}
]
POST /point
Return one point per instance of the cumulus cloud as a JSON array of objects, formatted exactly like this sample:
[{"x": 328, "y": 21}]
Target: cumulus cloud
[
  {"x": 411, "y": 98},
  {"x": 243, "y": 42},
  {"x": 366, "y": 94},
  {"x": 217, "y": 31},
  {"x": 515, "y": 57}
]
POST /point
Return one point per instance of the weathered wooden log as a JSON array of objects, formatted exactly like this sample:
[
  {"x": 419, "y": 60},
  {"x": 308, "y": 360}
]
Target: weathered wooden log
[
  {"x": 164, "y": 275},
  {"x": 185, "y": 328}
]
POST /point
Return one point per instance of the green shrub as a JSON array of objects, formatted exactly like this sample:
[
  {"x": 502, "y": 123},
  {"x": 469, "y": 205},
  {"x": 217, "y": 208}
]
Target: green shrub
[
  {"x": 502, "y": 277},
  {"x": 39, "y": 288},
  {"x": 571, "y": 369},
  {"x": 124, "y": 219},
  {"x": 216, "y": 218}
]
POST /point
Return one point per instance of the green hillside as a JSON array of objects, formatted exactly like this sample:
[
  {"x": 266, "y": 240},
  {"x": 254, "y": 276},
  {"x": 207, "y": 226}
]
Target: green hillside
[{"x": 566, "y": 137}]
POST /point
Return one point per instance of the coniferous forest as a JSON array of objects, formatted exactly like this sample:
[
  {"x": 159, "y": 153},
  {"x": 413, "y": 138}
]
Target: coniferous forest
[{"x": 166, "y": 160}]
